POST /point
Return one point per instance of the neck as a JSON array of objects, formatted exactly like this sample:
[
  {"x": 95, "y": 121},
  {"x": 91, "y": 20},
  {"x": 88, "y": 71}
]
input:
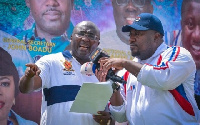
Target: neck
[
  {"x": 81, "y": 60},
  {"x": 13, "y": 119}
]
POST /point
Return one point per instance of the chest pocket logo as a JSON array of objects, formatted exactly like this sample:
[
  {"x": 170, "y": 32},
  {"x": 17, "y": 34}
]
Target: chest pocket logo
[{"x": 68, "y": 70}]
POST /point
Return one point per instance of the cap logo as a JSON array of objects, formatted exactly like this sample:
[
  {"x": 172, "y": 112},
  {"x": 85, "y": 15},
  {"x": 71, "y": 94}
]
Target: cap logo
[{"x": 137, "y": 18}]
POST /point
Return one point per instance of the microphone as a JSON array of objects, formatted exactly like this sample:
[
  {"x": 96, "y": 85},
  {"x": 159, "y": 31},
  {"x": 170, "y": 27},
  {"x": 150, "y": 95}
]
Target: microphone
[{"x": 89, "y": 68}]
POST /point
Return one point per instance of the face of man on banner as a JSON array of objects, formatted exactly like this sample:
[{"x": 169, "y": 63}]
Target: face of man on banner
[
  {"x": 190, "y": 24},
  {"x": 52, "y": 16},
  {"x": 125, "y": 12}
]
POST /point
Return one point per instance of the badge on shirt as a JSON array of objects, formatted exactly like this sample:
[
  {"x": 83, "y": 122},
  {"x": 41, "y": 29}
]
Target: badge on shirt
[{"x": 68, "y": 70}]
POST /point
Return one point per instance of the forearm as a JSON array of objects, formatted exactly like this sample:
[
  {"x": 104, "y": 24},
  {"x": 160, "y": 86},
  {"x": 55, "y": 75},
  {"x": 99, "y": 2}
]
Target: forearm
[
  {"x": 26, "y": 84},
  {"x": 132, "y": 67},
  {"x": 116, "y": 99}
]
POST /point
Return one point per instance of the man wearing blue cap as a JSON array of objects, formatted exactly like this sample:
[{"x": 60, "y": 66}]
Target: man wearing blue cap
[{"x": 160, "y": 78}]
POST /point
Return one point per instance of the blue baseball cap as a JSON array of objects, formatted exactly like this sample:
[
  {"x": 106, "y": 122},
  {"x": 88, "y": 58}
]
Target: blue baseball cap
[{"x": 145, "y": 21}]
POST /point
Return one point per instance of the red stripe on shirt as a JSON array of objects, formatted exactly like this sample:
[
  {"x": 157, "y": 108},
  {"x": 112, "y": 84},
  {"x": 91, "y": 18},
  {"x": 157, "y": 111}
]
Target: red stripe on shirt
[{"x": 185, "y": 105}]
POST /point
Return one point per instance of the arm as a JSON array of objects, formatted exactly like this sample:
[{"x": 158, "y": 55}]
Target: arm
[
  {"x": 31, "y": 80},
  {"x": 131, "y": 66},
  {"x": 116, "y": 100},
  {"x": 175, "y": 67},
  {"x": 103, "y": 117}
]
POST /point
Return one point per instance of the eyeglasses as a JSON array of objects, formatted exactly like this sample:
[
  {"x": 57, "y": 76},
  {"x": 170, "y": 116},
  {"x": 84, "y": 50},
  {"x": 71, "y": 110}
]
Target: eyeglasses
[
  {"x": 88, "y": 35},
  {"x": 137, "y": 3}
]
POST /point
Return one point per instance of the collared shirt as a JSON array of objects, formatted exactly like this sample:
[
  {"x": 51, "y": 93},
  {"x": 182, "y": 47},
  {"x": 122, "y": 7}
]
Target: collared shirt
[
  {"x": 39, "y": 47},
  {"x": 61, "y": 81},
  {"x": 148, "y": 97}
]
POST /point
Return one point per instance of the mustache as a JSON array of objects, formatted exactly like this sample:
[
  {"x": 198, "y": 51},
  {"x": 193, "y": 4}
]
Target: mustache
[
  {"x": 51, "y": 9},
  {"x": 132, "y": 44}
]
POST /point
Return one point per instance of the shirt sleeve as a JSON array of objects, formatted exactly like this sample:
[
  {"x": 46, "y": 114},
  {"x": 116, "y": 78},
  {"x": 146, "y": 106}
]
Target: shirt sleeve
[
  {"x": 118, "y": 113},
  {"x": 44, "y": 65},
  {"x": 176, "y": 65}
]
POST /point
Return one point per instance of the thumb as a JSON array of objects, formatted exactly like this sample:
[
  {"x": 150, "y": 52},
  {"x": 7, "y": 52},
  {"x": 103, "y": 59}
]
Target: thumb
[{"x": 38, "y": 72}]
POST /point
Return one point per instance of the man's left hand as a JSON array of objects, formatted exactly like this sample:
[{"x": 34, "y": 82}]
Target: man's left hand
[{"x": 103, "y": 118}]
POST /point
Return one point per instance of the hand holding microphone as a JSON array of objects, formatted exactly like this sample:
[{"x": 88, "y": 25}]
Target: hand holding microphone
[{"x": 90, "y": 67}]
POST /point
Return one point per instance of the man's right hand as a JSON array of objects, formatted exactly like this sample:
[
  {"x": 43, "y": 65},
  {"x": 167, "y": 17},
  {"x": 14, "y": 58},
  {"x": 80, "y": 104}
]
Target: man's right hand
[
  {"x": 32, "y": 70},
  {"x": 31, "y": 79}
]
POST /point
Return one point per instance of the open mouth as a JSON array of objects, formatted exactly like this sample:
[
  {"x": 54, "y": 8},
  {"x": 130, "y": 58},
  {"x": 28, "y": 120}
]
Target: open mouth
[
  {"x": 196, "y": 48},
  {"x": 129, "y": 20},
  {"x": 84, "y": 47}
]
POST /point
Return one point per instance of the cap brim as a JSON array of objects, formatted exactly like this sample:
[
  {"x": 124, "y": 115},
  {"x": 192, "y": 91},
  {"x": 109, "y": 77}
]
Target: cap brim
[{"x": 127, "y": 28}]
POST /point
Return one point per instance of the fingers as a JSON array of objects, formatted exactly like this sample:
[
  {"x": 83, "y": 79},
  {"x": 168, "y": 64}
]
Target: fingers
[
  {"x": 106, "y": 64},
  {"x": 32, "y": 70},
  {"x": 38, "y": 72},
  {"x": 103, "y": 117},
  {"x": 32, "y": 66},
  {"x": 101, "y": 76},
  {"x": 104, "y": 113},
  {"x": 102, "y": 61},
  {"x": 111, "y": 63}
]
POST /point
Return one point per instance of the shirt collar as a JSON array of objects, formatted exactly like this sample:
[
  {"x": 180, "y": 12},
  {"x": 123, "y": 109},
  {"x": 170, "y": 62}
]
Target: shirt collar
[
  {"x": 67, "y": 54},
  {"x": 31, "y": 36}
]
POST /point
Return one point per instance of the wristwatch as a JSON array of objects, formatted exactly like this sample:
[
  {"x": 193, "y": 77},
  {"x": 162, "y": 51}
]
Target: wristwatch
[{"x": 115, "y": 87}]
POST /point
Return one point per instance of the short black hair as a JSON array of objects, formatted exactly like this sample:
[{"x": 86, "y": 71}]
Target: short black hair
[
  {"x": 186, "y": 3},
  {"x": 7, "y": 68}
]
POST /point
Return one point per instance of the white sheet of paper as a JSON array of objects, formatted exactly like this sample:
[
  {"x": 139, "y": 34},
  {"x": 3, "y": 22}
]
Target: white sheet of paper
[{"x": 92, "y": 97}]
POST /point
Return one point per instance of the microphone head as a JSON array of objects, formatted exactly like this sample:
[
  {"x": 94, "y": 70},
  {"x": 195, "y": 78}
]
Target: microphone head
[
  {"x": 97, "y": 54},
  {"x": 87, "y": 69}
]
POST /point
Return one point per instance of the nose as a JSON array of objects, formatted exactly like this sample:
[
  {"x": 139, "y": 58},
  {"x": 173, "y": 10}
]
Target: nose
[
  {"x": 52, "y": 3},
  {"x": 132, "y": 39},
  {"x": 196, "y": 34},
  {"x": 85, "y": 38},
  {"x": 130, "y": 7}
]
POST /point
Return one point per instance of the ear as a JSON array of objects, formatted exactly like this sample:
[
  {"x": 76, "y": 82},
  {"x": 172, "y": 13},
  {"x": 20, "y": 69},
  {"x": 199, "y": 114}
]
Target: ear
[
  {"x": 27, "y": 3},
  {"x": 157, "y": 36}
]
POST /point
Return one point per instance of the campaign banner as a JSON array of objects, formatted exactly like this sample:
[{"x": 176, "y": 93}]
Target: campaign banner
[{"x": 27, "y": 34}]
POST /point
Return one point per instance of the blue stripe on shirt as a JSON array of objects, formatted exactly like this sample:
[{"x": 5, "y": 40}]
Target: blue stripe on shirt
[
  {"x": 181, "y": 91},
  {"x": 58, "y": 94}
]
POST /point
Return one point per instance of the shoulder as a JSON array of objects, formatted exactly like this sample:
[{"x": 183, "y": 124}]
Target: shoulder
[
  {"x": 22, "y": 121},
  {"x": 177, "y": 53},
  {"x": 51, "y": 57},
  {"x": 178, "y": 50}
]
